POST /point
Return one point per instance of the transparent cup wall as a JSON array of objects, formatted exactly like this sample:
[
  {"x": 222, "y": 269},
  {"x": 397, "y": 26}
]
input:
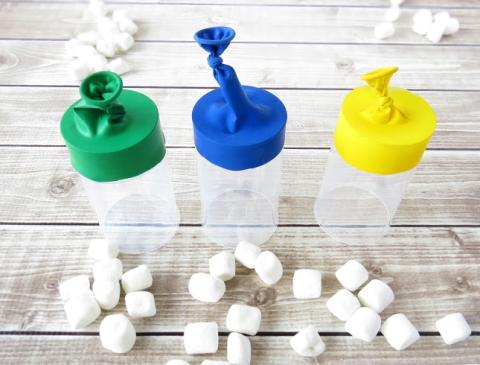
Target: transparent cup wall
[
  {"x": 355, "y": 207},
  {"x": 140, "y": 213},
  {"x": 239, "y": 205}
]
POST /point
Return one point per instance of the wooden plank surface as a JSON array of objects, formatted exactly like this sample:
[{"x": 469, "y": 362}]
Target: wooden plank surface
[
  {"x": 445, "y": 189},
  {"x": 305, "y": 24},
  {"x": 312, "y": 115},
  {"x": 301, "y": 66},
  {"x": 433, "y": 272},
  {"x": 33, "y": 350}
]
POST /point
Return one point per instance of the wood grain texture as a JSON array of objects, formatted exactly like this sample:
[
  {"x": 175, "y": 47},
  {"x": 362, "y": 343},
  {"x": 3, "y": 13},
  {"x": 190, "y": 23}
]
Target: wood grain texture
[
  {"x": 39, "y": 185},
  {"x": 301, "y": 66},
  {"x": 433, "y": 272},
  {"x": 312, "y": 115},
  {"x": 33, "y": 350},
  {"x": 305, "y": 24}
]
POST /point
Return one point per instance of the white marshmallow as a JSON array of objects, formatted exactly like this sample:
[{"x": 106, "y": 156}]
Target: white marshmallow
[
  {"x": 364, "y": 324},
  {"x": 177, "y": 362},
  {"x": 376, "y": 295},
  {"x": 137, "y": 279},
  {"x": 442, "y": 16},
  {"x": 107, "y": 293},
  {"x": 435, "y": 32},
  {"x": 127, "y": 25},
  {"x": 119, "y": 14},
  {"x": 239, "y": 349},
  {"x": 107, "y": 269},
  {"x": 107, "y": 28},
  {"x": 246, "y": 253},
  {"x": 423, "y": 16},
  {"x": 106, "y": 47},
  {"x": 73, "y": 286},
  {"x": 123, "y": 41},
  {"x": 140, "y": 304},
  {"x": 74, "y": 48},
  {"x": 82, "y": 309},
  {"x": 352, "y": 275},
  {"x": 90, "y": 38},
  {"x": 99, "y": 249},
  {"x": 215, "y": 362},
  {"x": 396, "y": 2},
  {"x": 206, "y": 288},
  {"x": 307, "y": 342},
  {"x": 453, "y": 328},
  {"x": 97, "y": 63},
  {"x": 384, "y": 30},
  {"x": 399, "y": 332},
  {"x": 244, "y": 319},
  {"x": 222, "y": 265},
  {"x": 78, "y": 70},
  {"x": 268, "y": 267},
  {"x": 307, "y": 284},
  {"x": 452, "y": 26},
  {"x": 201, "y": 338},
  {"x": 119, "y": 66},
  {"x": 421, "y": 28},
  {"x": 117, "y": 333},
  {"x": 393, "y": 13},
  {"x": 343, "y": 304},
  {"x": 97, "y": 7}
]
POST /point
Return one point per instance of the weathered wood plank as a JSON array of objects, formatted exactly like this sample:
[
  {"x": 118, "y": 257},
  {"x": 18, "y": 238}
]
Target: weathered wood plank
[
  {"x": 179, "y": 22},
  {"x": 265, "y": 351},
  {"x": 433, "y": 271},
  {"x": 312, "y": 115},
  {"x": 445, "y": 189},
  {"x": 301, "y": 66}
]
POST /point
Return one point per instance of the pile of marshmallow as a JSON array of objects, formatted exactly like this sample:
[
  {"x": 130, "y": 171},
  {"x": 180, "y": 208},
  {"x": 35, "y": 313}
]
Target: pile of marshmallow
[
  {"x": 424, "y": 23},
  {"x": 94, "y": 51},
  {"x": 364, "y": 322},
  {"x": 242, "y": 320},
  {"x": 83, "y": 305}
]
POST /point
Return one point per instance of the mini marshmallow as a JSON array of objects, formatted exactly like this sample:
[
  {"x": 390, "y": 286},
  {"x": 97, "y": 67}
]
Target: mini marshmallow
[
  {"x": 140, "y": 304},
  {"x": 97, "y": 63},
  {"x": 268, "y": 267},
  {"x": 201, "y": 338},
  {"x": 78, "y": 70},
  {"x": 127, "y": 25},
  {"x": 343, "y": 304},
  {"x": 81, "y": 309},
  {"x": 442, "y": 16},
  {"x": 117, "y": 333},
  {"x": 423, "y": 16},
  {"x": 364, "y": 324},
  {"x": 244, "y": 319},
  {"x": 421, "y": 28},
  {"x": 177, "y": 362},
  {"x": 222, "y": 265},
  {"x": 352, "y": 275},
  {"x": 206, "y": 288},
  {"x": 123, "y": 41},
  {"x": 246, "y": 253},
  {"x": 107, "y": 28},
  {"x": 453, "y": 328},
  {"x": 384, "y": 30},
  {"x": 90, "y": 38},
  {"x": 396, "y": 2},
  {"x": 119, "y": 14},
  {"x": 307, "y": 342},
  {"x": 452, "y": 26},
  {"x": 73, "y": 286},
  {"x": 239, "y": 349},
  {"x": 107, "y": 269},
  {"x": 393, "y": 13},
  {"x": 107, "y": 293},
  {"x": 119, "y": 66},
  {"x": 106, "y": 47},
  {"x": 435, "y": 32},
  {"x": 214, "y": 362},
  {"x": 99, "y": 249},
  {"x": 376, "y": 295},
  {"x": 399, "y": 332},
  {"x": 75, "y": 48},
  {"x": 137, "y": 279},
  {"x": 307, "y": 284},
  {"x": 97, "y": 7}
]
